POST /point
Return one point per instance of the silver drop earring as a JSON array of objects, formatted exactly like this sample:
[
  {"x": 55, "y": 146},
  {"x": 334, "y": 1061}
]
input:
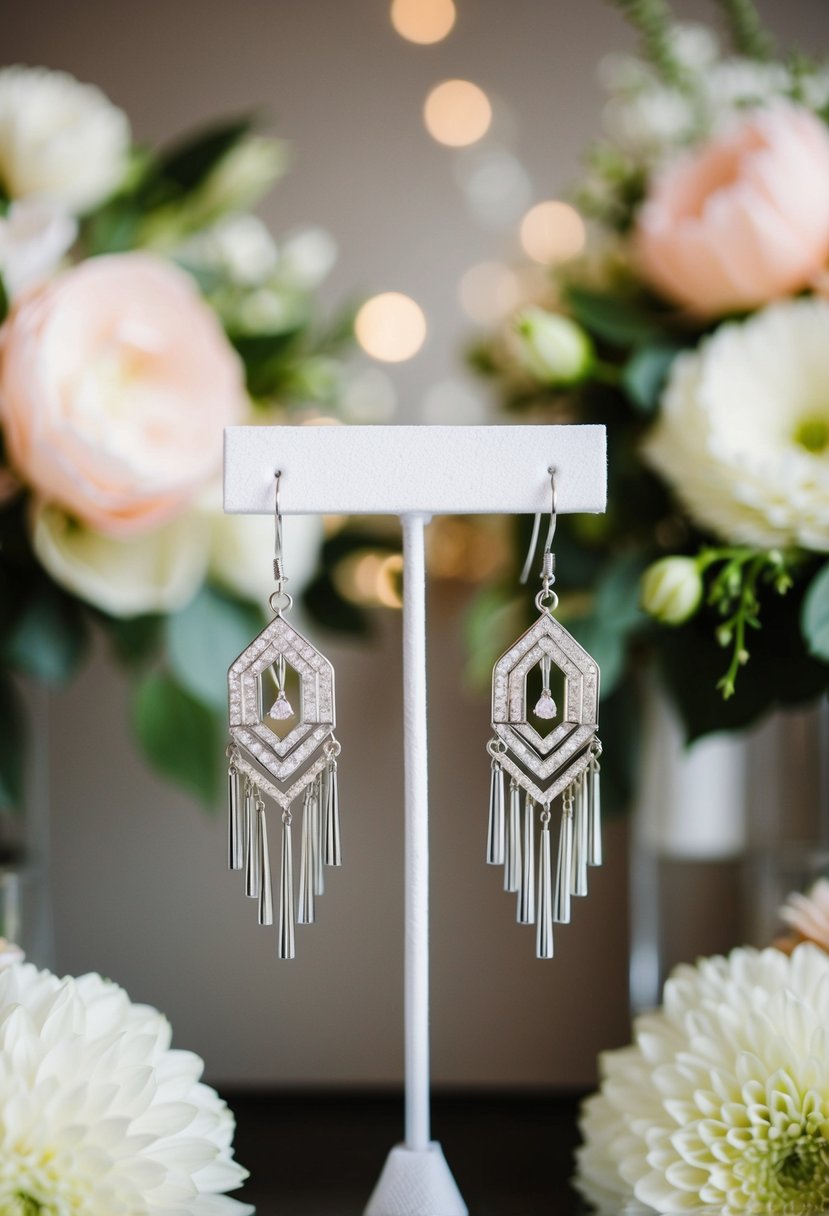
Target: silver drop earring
[
  {"x": 285, "y": 753},
  {"x": 564, "y": 761}
]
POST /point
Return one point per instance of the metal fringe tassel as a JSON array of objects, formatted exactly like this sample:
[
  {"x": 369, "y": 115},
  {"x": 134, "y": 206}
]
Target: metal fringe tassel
[
  {"x": 495, "y": 834},
  {"x": 306, "y": 914},
  {"x": 235, "y": 837},
  {"x": 561, "y": 911},
  {"x": 526, "y": 892},
  {"x": 287, "y": 937},
  {"x": 333, "y": 843},
  {"x": 594, "y": 815},
  {"x": 265, "y": 888},
  {"x": 544, "y": 928},
  {"x": 578, "y": 872},
  {"x": 512, "y": 854},
  {"x": 319, "y": 836},
  {"x": 252, "y": 875}
]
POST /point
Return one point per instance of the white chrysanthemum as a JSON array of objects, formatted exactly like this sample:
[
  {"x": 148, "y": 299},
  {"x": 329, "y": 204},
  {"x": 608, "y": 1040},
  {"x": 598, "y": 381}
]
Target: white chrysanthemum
[
  {"x": 743, "y": 432},
  {"x": 98, "y": 1116},
  {"x": 59, "y": 139},
  {"x": 723, "y": 1099}
]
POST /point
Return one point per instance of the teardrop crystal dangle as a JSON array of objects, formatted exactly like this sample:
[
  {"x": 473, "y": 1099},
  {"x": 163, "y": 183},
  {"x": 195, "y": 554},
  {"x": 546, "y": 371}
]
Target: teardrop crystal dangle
[
  {"x": 544, "y": 928},
  {"x": 564, "y": 866},
  {"x": 251, "y": 845},
  {"x": 512, "y": 853},
  {"x": 548, "y": 747},
  {"x": 281, "y": 748},
  {"x": 265, "y": 886},
  {"x": 235, "y": 826},
  {"x": 496, "y": 845},
  {"x": 594, "y": 809},
  {"x": 287, "y": 937},
  {"x": 526, "y": 892}
]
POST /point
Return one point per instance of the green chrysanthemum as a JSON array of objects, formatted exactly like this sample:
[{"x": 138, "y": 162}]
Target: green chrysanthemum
[{"x": 723, "y": 1100}]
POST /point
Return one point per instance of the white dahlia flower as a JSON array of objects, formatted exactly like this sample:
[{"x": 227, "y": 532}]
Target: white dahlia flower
[
  {"x": 743, "y": 431},
  {"x": 98, "y": 1116},
  {"x": 59, "y": 139},
  {"x": 722, "y": 1102}
]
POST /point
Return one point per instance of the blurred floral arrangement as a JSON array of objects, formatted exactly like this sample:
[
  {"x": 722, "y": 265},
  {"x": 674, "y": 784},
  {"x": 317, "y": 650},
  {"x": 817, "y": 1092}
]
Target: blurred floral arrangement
[
  {"x": 696, "y": 329},
  {"x": 98, "y": 1115},
  {"x": 722, "y": 1101},
  {"x": 143, "y": 309}
]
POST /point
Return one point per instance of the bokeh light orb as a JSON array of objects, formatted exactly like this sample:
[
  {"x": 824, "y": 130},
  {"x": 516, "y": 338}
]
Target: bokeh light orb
[
  {"x": 423, "y": 21},
  {"x": 390, "y": 327},
  {"x": 552, "y": 232},
  {"x": 457, "y": 113}
]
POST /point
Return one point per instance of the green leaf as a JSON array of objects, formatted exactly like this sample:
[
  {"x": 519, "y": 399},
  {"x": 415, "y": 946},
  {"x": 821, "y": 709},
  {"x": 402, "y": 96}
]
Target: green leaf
[
  {"x": 606, "y": 645},
  {"x": 619, "y": 320},
  {"x": 645, "y": 373},
  {"x": 814, "y": 618},
  {"x": 203, "y": 640},
  {"x": 191, "y": 161},
  {"x": 135, "y": 640},
  {"x": 112, "y": 229},
  {"x": 264, "y": 357},
  {"x": 12, "y": 746},
  {"x": 179, "y": 736},
  {"x": 617, "y": 594},
  {"x": 49, "y": 638},
  {"x": 4, "y": 301}
]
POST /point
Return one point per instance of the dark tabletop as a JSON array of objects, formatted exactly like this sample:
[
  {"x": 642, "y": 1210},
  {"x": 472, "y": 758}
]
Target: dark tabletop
[{"x": 321, "y": 1154}]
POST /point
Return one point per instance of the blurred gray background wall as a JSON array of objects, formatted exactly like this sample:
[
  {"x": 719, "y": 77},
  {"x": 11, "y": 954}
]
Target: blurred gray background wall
[{"x": 140, "y": 888}]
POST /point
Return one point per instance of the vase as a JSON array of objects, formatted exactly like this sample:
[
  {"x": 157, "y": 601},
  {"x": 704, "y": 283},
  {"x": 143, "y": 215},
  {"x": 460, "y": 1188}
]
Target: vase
[
  {"x": 25, "y": 902},
  {"x": 723, "y": 830},
  {"x": 688, "y": 841}
]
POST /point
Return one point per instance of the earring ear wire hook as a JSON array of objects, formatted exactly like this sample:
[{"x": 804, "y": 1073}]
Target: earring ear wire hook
[
  {"x": 551, "y": 531},
  {"x": 278, "y": 558}
]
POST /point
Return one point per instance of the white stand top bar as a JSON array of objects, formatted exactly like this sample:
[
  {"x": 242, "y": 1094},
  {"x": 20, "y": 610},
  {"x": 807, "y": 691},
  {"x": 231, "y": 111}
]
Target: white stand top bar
[{"x": 401, "y": 470}]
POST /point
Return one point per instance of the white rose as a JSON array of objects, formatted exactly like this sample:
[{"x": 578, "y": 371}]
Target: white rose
[
  {"x": 59, "y": 139},
  {"x": 34, "y": 236},
  {"x": 743, "y": 432},
  {"x": 241, "y": 549},
  {"x": 155, "y": 572}
]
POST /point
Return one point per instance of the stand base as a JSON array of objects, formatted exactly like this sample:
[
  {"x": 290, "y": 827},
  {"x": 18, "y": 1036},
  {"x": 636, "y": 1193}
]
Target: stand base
[{"x": 416, "y": 1184}]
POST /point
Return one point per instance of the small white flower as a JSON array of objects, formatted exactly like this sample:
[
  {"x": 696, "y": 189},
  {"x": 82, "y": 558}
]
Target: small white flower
[
  {"x": 34, "y": 236},
  {"x": 722, "y": 1102},
  {"x": 240, "y": 247},
  {"x": 156, "y": 571},
  {"x": 672, "y": 589},
  {"x": 242, "y": 176},
  {"x": 306, "y": 258},
  {"x": 743, "y": 433},
  {"x": 552, "y": 347},
  {"x": 98, "y": 1116},
  {"x": 59, "y": 139}
]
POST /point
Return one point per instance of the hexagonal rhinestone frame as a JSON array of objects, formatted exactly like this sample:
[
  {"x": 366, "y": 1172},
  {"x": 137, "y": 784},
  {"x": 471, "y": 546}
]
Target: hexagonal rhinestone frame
[
  {"x": 568, "y": 743},
  {"x": 282, "y": 758}
]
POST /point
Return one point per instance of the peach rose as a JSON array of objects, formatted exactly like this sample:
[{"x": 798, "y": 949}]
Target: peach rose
[
  {"x": 745, "y": 218},
  {"x": 115, "y": 383}
]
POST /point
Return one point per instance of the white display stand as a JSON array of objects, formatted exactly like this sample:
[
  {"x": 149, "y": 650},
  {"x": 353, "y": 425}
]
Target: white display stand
[{"x": 415, "y": 472}]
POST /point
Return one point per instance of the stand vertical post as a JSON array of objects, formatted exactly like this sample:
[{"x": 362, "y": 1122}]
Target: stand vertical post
[
  {"x": 416, "y": 779},
  {"x": 416, "y": 1181}
]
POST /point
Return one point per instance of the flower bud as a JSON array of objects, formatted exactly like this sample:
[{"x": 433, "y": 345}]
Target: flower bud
[
  {"x": 672, "y": 589},
  {"x": 552, "y": 347}
]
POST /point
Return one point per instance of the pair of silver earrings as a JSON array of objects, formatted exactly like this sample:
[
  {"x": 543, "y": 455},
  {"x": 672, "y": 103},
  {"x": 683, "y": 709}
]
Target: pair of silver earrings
[{"x": 291, "y": 755}]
